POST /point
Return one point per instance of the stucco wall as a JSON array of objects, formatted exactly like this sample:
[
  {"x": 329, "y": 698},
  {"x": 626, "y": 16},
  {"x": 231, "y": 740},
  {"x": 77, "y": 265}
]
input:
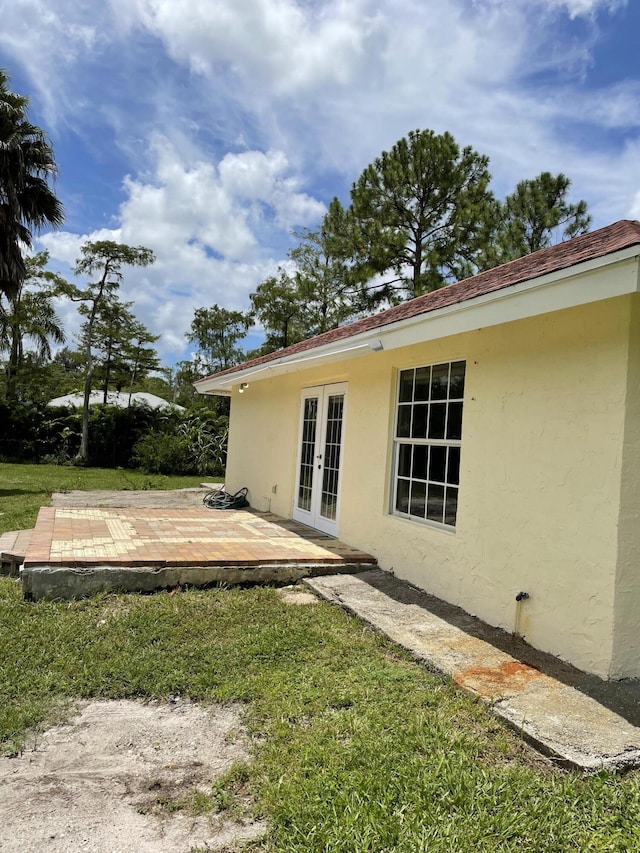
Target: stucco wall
[
  {"x": 263, "y": 438},
  {"x": 626, "y": 634},
  {"x": 540, "y": 476}
]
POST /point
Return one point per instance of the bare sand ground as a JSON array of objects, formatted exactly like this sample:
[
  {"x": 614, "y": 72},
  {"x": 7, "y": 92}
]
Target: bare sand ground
[
  {"x": 146, "y": 498},
  {"x": 101, "y": 782},
  {"x": 97, "y": 783}
]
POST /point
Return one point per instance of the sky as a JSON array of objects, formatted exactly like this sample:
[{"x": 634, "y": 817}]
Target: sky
[{"x": 209, "y": 130}]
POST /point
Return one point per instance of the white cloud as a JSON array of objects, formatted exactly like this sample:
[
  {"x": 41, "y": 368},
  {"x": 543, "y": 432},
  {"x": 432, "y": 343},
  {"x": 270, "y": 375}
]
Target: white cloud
[
  {"x": 201, "y": 221},
  {"x": 258, "y": 177},
  {"x": 285, "y": 44},
  {"x": 575, "y": 8},
  {"x": 220, "y": 108},
  {"x": 48, "y": 41}
]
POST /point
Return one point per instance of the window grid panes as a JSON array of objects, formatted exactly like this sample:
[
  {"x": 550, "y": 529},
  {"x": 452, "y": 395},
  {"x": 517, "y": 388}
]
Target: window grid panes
[
  {"x": 329, "y": 497},
  {"x": 427, "y": 442},
  {"x": 309, "y": 426}
]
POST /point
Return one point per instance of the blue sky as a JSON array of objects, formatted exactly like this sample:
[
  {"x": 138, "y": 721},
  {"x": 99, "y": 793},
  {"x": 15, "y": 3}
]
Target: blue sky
[{"x": 209, "y": 129}]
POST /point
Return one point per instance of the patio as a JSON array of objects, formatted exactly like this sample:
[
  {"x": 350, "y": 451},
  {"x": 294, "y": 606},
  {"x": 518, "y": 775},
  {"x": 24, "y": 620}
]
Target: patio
[{"x": 76, "y": 551}]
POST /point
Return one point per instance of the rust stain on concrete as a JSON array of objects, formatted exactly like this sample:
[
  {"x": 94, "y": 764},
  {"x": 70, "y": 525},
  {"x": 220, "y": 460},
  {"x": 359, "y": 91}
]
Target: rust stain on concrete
[{"x": 505, "y": 679}]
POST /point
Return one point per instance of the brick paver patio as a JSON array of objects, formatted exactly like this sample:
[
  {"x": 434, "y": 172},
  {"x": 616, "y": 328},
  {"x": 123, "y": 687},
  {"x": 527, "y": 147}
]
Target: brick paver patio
[{"x": 85, "y": 537}]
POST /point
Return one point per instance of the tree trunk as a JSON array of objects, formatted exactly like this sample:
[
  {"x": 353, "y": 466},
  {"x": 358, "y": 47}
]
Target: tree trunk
[
  {"x": 417, "y": 267},
  {"x": 134, "y": 374},
  {"x": 107, "y": 376},
  {"x": 83, "y": 453},
  {"x": 13, "y": 364}
]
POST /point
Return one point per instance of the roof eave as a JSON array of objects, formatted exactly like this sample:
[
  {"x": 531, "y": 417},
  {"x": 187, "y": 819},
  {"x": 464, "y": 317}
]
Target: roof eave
[{"x": 475, "y": 312}]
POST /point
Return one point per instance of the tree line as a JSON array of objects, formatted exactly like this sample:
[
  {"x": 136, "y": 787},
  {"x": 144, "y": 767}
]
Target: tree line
[
  {"x": 421, "y": 216},
  {"x": 114, "y": 349}
]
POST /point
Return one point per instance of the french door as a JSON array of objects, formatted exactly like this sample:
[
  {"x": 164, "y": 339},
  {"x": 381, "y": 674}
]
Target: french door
[{"x": 317, "y": 496}]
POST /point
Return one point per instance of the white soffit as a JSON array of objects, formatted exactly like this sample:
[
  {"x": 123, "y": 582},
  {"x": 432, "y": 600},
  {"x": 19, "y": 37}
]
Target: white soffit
[{"x": 613, "y": 275}]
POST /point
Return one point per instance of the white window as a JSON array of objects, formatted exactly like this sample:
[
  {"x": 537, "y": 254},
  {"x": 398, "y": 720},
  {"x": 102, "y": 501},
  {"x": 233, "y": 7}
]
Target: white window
[{"x": 427, "y": 442}]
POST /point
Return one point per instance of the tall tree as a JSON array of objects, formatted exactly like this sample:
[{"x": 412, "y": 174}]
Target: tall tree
[
  {"x": 216, "y": 332},
  {"x": 110, "y": 329},
  {"x": 332, "y": 287},
  {"x": 138, "y": 356},
  {"x": 324, "y": 288},
  {"x": 104, "y": 259},
  {"x": 536, "y": 215},
  {"x": 420, "y": 211},
  {"x": 180, "y": 379},
  {"x": 29, "y": 314},
  {"x": 27, "y": 202},
  {"x": 122, "y": 353},
  {"x": 278, "y": 306}
]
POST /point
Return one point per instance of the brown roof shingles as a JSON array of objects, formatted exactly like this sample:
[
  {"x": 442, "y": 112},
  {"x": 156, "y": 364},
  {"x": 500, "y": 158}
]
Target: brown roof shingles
[{"x": 596, "y": 244}]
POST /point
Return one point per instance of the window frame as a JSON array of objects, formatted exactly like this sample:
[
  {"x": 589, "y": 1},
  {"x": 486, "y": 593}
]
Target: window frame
[{"x": 450, "y": 479}]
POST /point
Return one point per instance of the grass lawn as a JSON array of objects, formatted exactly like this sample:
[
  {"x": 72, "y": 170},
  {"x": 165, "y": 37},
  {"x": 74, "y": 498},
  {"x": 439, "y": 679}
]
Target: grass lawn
[
  {"x": 356, "y": 748},
  {"x": 25, "y": 488}
]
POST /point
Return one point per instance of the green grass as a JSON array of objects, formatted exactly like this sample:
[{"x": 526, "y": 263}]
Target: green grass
[
  {"x": 356, "y": 748},
  {"x": 25, "y": 488}
]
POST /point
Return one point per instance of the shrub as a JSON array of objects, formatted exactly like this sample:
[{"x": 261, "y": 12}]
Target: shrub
[
  {"x": 161, "y": 453},
  {"x": 196, "y": 444},
  {"x": 159, "y": 441}
]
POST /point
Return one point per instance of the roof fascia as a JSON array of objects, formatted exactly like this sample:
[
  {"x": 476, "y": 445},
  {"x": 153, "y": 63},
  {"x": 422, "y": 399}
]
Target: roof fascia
[{"x": 540, "y": 295}]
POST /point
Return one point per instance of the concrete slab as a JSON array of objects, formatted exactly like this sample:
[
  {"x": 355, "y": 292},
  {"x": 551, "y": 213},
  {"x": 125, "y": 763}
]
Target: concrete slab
[
  {"x": 78, "y": 551},
  {"x": 579, "y": 719},
  {"x": 62, "y": 583},
  {"x": 13, "y": 547}
]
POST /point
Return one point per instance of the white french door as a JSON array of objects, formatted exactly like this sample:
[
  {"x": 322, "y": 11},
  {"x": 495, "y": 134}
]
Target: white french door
[{"x": 317, "y": 496}]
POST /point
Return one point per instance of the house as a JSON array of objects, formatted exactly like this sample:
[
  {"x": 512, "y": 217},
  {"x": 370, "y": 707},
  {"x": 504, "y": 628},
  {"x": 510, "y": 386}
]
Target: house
[
  {"x": 121, "y": 399},
  {"x": 482, "y": 441}
]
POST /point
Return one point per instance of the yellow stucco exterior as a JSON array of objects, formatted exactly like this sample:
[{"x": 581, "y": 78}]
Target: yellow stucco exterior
[{"x": 549, "y": 482}]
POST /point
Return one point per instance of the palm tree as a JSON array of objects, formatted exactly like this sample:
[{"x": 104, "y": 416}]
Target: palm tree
[
  {"x": 30, "y": 314},
  {"x": 27, "y": 202}
]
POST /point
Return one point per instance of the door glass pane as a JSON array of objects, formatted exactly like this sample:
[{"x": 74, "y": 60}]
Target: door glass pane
[
  {"x": 309, "y": 426},
  {"x": 329, "y": 496}
]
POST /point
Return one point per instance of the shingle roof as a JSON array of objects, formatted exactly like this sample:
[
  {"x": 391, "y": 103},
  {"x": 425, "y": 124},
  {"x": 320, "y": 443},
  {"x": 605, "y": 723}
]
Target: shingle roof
[{"x": 596, "y": 244}]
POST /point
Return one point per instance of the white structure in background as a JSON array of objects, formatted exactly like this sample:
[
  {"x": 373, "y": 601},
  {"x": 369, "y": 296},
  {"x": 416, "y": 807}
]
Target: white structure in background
[{"x": 115, "y": 398}]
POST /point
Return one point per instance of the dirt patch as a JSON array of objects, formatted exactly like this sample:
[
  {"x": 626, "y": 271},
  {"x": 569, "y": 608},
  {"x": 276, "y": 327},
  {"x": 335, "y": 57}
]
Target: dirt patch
[
  {"x": 144, "y": 498},
  {"x": 296, "y": 595},
  {"x": 112, "y": 780}
]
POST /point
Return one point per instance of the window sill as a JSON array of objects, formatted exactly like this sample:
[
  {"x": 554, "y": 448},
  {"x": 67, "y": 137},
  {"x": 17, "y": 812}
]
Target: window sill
[{"x": 424, "y": 522}]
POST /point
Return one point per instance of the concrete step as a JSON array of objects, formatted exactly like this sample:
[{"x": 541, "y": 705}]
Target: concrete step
[
  {"x": 575, "y": 717},
  {"x": 13, "y": 547}
]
